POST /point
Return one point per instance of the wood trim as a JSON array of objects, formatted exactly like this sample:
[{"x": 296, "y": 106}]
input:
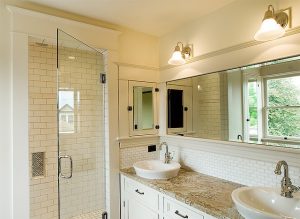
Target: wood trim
[
  {"x": 123, "y": 64},
  {"x": 61, "y": 13},
  {"x": 229, "y": 49},
  {"x": 138, "y": 141}
]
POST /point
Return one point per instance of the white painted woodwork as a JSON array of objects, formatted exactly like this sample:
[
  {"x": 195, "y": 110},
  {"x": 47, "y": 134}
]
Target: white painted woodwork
[
  {"x": 142, "y": 193},
  {"x": 132, "y": 131}
]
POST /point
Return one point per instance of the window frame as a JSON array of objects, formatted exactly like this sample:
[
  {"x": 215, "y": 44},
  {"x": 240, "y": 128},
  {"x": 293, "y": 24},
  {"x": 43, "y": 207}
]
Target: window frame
[
  {"x": 265, "y": 108},
  {"x": 76, "y": 97},
  {"x": 252, "y": 75}
]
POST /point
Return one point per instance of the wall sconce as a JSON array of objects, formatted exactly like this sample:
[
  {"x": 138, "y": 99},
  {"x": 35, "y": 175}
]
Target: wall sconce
[
  {"x": 273, "y": 24},
  {"x": 180, "y": 55}
]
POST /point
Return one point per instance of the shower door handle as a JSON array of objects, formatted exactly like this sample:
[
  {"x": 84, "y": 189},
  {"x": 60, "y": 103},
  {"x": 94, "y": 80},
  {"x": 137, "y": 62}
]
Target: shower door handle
[{"x": 71, "y": 166}]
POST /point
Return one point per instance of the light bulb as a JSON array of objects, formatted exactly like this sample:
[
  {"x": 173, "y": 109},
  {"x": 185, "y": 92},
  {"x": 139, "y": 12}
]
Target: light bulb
[
  {"x": 176, "y": 59},
  {"x": 269, "y": 30}
]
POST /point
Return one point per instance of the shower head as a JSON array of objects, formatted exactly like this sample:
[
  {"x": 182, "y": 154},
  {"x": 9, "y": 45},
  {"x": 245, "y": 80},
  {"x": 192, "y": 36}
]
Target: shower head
[{"x": 43, "y": 44}]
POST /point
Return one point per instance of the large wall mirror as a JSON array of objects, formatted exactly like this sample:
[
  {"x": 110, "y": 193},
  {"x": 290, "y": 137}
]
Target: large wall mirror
[{"x": 254, "y": 104}]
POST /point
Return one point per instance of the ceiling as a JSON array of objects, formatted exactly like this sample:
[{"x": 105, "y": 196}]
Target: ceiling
[{"x": 155, "y": 17}]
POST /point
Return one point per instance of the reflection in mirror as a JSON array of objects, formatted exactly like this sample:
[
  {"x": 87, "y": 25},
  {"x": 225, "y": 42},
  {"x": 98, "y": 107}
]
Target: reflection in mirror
[
  {"x": 143, "y": 108},
  {"x": 66, "y": 111},
  {"x": 255, "y": 104},
  {"x": 175, "y": 108}
]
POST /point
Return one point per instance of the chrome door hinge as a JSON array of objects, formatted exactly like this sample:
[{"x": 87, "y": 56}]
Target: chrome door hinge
[
  {"x": 104, "y": 215},
  {"x": 103, "y": 78},
  {"x": 124, "y": 204}
]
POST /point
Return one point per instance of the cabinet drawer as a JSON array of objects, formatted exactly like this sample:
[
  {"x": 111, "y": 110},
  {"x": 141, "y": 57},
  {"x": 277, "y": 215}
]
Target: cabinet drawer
[
  {"x": 176, "y": 211},
  {"x": 146, "y": 195}
]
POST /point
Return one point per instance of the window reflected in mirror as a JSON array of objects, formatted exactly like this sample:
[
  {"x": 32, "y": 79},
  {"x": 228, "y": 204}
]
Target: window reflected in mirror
[
  {"x": 255, "y": 104},
  {"x": 283, "y": 106}
]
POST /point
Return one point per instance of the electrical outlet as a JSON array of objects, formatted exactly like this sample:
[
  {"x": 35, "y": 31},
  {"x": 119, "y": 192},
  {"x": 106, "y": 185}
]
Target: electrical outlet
[{"x": 151, "y": 148}]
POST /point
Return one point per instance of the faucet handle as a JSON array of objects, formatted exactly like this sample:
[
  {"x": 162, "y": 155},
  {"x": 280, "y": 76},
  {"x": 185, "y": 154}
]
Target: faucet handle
[
  {"x": 168, "y": 157},
  {"x": 294, "y": 188},
  {"x": 171, "y": 158}
]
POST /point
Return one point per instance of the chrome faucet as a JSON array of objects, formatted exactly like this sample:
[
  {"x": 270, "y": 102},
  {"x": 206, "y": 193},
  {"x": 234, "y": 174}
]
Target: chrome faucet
[
  {"x": 168, "y": 157},
  {"x": 287, "y": 188}
]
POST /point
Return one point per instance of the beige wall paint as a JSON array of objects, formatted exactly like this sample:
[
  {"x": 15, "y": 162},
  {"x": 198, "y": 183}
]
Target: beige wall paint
[
  {"x": 138, "y": 48},
  {"x": 234, "y": 24}
]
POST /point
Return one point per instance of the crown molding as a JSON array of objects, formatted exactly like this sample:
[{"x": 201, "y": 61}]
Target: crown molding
[
  {"x": 120, "y": 64},
  {"x": 61, "y": 13}
]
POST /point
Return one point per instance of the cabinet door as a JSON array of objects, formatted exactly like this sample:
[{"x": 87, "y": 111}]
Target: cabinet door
[
  {"x": 142, "y": 99},
  {"x": 136, "y": 210}
]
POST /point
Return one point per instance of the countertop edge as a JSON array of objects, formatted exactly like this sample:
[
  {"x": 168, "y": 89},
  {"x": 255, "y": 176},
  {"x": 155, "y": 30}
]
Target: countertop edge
[{"x": 212, "y": 212}]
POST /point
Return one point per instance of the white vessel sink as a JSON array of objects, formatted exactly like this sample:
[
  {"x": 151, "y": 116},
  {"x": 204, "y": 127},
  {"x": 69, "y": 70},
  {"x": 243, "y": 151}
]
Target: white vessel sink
[
  {"x": 265, "y": 203},
  {"x": 156, "y": 169}
]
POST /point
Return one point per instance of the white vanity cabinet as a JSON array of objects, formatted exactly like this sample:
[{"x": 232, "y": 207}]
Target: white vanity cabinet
[
  {"x": 138, "y": 201},
  {"x": 142, "y": 202}
]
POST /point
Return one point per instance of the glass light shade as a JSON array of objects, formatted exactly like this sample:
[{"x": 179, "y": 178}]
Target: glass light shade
[
  {"x": 176, "y": 59},
  {"x": 269, "y": 30}
]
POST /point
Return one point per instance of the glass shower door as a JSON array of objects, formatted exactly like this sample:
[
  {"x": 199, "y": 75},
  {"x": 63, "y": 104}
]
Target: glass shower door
[{"x": 80, "y": 108}]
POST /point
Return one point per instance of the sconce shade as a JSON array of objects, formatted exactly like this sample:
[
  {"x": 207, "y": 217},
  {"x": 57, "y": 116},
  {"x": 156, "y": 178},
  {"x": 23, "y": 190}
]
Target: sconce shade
[
  {"x": 176, "y": 58},
  {"x": 269, "y": 30},
  {"x": 180, "y": 55}
]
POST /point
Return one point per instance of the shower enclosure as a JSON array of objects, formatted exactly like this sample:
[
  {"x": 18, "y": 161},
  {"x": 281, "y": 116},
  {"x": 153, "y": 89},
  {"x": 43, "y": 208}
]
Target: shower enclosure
[{"x": 80, "y": 124}]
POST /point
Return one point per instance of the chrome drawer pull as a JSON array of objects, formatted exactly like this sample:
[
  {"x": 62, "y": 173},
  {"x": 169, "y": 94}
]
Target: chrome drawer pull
[
  {"x": 183, "y": 216},
  {"x": 141, "y": 193}
]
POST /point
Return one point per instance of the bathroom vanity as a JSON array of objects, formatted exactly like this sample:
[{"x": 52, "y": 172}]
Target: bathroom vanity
[{"x": 190, "y": 195}]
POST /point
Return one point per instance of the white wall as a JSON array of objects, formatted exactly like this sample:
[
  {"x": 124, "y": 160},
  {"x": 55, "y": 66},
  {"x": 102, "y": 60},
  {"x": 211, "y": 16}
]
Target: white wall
[
  {"x": 235, "y": 109},
  {"x": 5, "y": 117}
]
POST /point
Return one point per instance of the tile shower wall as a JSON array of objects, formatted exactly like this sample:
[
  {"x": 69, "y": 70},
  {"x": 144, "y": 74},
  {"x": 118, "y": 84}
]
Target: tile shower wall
[
  {"x": 211, "y": 106},
  {"x": 43, "y": 129},
  {"x": 250, "y": 172},
  {"x": 43, "y": 138}
]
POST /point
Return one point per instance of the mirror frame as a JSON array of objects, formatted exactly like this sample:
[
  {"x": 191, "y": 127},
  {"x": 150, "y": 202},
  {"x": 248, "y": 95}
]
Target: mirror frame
[{"x": 132, "y": 131}]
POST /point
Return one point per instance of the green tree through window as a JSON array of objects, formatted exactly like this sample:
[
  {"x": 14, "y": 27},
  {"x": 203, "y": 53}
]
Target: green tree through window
[{"x": 283, "y": 97}]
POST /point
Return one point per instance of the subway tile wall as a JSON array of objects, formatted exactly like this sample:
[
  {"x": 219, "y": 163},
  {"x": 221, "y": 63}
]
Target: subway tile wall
[
  {"x": 43, "y": 129},
  {"x": 130, "y": 155},
  {"x": 86, "y": 146},
  {"x": 211, "y": 106},
  {"x": 250, "y": 172}
]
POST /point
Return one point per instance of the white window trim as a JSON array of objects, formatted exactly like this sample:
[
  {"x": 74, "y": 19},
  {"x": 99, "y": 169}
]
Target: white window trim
[
  {"x": 265, "y": 108},
  {"x": 247, "y": 77}
]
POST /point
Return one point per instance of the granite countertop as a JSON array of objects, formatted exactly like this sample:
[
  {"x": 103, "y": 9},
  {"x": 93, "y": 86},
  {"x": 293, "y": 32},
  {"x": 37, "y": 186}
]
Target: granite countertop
[{"x": 209, "y": 194}]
